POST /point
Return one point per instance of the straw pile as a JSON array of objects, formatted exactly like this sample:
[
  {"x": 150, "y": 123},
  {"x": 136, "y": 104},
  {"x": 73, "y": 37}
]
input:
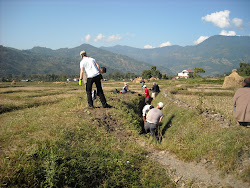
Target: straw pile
[
  {"x": 153, "y": 78},
  {"x": 138, "y": 80},
  {"x": 233, "y": 80}
]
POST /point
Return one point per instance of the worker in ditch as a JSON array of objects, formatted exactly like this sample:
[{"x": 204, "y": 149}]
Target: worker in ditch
[
  {"x": 153, "y": 120},
  {"x": 241, "y": 102},
  {"x": 90, "y": 67}
]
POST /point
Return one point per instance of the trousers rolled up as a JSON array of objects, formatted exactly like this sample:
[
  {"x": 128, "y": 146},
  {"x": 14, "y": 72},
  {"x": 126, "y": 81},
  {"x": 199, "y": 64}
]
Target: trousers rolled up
[{"x": 97, "y": 81}]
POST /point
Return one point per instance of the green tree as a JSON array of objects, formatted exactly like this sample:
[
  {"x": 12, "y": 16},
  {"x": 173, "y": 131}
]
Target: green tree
[
  {"x": 146, "y": 74},
  {"x": 198, "y": 71},
  {"x": 153, "y": 72},
  {"x": 244, "y": 69}
]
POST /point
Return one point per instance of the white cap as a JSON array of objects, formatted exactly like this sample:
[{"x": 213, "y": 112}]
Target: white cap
[
  {"x": 160, "y": 104},
  {"x": 82, "y": 53},
  {"x": 144, "y": 86}
]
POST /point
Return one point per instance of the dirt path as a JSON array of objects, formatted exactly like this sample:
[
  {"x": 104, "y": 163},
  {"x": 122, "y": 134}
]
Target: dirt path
[{"x": 184, "y": 174}]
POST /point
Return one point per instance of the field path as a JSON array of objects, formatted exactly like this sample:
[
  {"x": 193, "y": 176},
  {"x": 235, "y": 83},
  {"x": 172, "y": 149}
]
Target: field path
[{"x": 189, "y": 173}]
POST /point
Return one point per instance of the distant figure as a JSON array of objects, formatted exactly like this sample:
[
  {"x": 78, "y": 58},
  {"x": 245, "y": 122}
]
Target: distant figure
[
  {"x": 153, "y": 120},
  {"x": 241, "y": 102},
  {"x": 155, "y": 90},
  {"x": 125, "y": 88},
  {"x": 90, "y": 67},
  {"x": 142, "y": 84},
  {"x": 146, "y": 92}
]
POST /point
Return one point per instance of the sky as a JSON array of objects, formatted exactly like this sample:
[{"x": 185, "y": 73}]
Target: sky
[{"x": 56, "y": 24}]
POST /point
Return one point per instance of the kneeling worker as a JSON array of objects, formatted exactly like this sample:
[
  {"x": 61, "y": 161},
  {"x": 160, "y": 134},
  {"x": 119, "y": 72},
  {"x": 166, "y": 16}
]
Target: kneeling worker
[{"x": 153, "y": 120}]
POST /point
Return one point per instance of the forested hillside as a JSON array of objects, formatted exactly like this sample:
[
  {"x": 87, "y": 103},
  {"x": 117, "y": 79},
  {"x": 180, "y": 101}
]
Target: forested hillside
[
  {"x": 40, "y": 60},
  {"x": 217, "y": 55}
]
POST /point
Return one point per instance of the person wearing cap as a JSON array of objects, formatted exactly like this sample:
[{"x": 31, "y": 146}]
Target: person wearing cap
[
  {"x": 153, "y": 120},
  {"x": 146, "y": 109},
  {"x": 90, "y": 67},
  {"x": 146, "y": 92},
  {"x": 241, "y": 102}
]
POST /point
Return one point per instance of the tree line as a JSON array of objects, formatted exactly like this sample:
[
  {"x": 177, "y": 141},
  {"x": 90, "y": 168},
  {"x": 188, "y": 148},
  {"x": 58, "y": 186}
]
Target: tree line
[{"x": 243, "y": 70}]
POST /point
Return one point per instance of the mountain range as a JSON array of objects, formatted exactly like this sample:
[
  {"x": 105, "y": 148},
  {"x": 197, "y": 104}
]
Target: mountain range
[
  {"x": 40, "y": 60},
  {"x": 216, "y": 55}
]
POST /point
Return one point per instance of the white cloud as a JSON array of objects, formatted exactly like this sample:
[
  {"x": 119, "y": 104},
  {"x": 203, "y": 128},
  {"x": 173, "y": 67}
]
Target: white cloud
[
  {"x": 165, "y": 44},
  {"x": 220, "y": 19},
  {"x": 87, "y": 38},
  {"x": 148, "y": 46},
  {"x": 200, "y": 40},
  {"x": 228, "y": 33},
  {"x": 237, "y": 22},
  {"x": 99, "y": 37},
  {"x": 130, "y": 34},
  {"x": 113, "y": 38}
]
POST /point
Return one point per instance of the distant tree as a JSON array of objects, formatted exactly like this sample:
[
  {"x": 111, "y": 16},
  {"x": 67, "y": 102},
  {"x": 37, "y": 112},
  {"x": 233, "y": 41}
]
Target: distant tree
[
  {"x": 164, "y": 76},
  {"x": 198, "y": 71},
  {"x": 244, "y": 69},
  {"x": 153, "y": 72},
  {"x": 146, "y": 74}
]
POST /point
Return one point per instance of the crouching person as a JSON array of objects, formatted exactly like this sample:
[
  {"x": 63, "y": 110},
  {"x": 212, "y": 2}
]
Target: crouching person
[{"x": 153, "y": 120}]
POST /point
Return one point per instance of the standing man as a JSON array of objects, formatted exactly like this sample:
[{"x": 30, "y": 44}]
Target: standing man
[
  {"x": 153, "y": 120},
  {"x": 155, "y": 90},
  {"x": 146, "y": 92},
  {"x": 241, "y": 102},
  {"x": 90, "y": 67}
]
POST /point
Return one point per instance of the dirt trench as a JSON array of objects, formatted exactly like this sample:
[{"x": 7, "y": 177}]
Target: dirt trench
[{"x": 184, "y": 174}]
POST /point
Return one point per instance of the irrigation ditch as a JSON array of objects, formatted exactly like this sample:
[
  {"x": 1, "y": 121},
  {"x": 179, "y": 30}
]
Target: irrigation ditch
[{"x": 184, "y": 174}]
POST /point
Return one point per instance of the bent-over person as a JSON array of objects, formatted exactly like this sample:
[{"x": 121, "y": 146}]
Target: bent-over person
[{"x": 153, "y": 120}]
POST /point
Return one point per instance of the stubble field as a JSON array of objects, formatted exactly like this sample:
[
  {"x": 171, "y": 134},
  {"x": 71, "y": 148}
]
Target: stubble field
[{"x": 49, "y": 138}]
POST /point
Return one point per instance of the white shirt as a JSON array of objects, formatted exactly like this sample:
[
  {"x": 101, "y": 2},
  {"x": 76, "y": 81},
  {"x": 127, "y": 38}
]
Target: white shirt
[
  {"x": 90, "y": 67},
  {"x": 145, "y": 109}
]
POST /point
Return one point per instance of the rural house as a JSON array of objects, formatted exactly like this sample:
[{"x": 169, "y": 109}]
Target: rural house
[{"x": 185, "y": 74}]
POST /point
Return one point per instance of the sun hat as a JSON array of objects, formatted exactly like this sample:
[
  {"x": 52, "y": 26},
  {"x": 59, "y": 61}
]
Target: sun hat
[
  {"x": 160, "y": 104},
  {"x": 82, "y": 53}
]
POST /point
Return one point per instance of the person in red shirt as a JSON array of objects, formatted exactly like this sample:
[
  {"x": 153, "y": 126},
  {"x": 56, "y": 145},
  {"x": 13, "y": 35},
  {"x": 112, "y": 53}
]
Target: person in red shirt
[{"x": 146, "y": 92}]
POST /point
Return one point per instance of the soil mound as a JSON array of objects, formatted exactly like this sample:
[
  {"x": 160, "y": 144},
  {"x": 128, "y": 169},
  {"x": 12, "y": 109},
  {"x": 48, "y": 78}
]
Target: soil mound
[{"x": 233, "y": 80}]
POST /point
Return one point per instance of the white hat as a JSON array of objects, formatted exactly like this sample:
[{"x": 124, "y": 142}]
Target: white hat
[
  {"x": 160, "y": 104},
  {"x": 144, "y": 86}
]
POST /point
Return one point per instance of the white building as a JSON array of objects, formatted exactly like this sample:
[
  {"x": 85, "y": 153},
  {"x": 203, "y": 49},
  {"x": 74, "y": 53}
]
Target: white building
[{"x": 185, "y": 74}]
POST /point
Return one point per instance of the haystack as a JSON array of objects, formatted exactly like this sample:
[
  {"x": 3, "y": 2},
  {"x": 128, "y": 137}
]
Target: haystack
[
  {"x": 233, "y": 80},
  {"x": 13, "y": 82},
  {"x": 138, "y": 80},
  {"x": 153, "y": 78}
]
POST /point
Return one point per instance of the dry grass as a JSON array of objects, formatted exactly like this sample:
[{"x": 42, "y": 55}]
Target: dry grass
[{"x": 222, "y": 104}]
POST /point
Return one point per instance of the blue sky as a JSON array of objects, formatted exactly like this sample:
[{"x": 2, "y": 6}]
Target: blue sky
[{"x": 142, "y": 24}]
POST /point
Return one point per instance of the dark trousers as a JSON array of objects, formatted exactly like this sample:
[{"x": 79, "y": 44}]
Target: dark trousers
[{"x": 97, "y": 81}]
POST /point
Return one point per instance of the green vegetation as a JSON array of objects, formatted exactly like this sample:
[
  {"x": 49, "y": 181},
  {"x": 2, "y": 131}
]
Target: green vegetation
[
  {"x": 58, "y": 142},
  {"x": 63, "y": 144},
  {"x": 153, "y": 72},
  {"x": 198, "y": 71},
  {"x": 244, "y": 69}
]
